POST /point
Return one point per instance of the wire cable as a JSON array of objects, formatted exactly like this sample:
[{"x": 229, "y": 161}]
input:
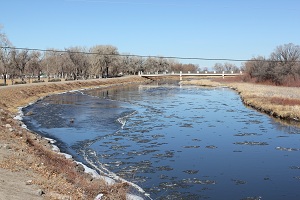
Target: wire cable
[{"x": 143, "y": 56}]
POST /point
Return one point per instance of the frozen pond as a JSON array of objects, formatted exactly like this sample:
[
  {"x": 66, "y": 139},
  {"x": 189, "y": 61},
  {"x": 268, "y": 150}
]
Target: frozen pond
[{"x": 175, "y": 142}]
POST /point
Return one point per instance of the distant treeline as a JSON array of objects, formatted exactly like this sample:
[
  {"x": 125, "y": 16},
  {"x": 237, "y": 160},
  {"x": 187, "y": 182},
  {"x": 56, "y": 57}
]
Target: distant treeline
[
  {"x": 281, "y": 68},
  {"x": 79, "y": 63}
]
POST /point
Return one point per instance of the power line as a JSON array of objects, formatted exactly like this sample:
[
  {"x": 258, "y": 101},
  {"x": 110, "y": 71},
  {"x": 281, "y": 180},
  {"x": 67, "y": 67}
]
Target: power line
[
  {"x": 143, "y": 56},
  {"x": 126, "y": 55}
]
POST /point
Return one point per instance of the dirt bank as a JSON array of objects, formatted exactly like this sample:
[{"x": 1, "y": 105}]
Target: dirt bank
[
  {"x": 279, "y": 102},
  {"x": 29, "y": 169}
]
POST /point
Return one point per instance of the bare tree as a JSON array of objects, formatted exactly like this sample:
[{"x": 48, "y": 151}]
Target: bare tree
[
  {"x": 103, "y": 58},
  {"x": 4, "y": 55},
  {"x": 151, "y": 65},
  {"x": 218, "y": 67},
  {"x": 34, "y": 64},
  {"x": 287, "y": 54},
  {"x": 136, "y": 64},
  {"x": 285, "y": 60},
  {"x": 229, "y": 67},
  {"x": 281, "y": 67},
  {"x": 20, "y": 60},
  {"x": 50, "y": 63},
  {"x": 259, "y": 69},
  {"x": 80, "y": 62}
]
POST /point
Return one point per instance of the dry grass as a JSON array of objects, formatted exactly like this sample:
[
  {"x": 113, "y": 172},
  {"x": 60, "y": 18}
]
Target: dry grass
[
  {"x": 285, "y": 101},
  {"x": 202, "y": 82}
]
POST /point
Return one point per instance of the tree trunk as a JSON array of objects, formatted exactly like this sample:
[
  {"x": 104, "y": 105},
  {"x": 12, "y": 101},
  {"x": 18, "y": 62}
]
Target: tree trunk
[{"x": 4, "y": 78}]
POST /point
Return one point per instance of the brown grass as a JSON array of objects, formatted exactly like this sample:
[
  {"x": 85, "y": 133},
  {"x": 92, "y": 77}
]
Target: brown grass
[{"x": 284, "y": 101}]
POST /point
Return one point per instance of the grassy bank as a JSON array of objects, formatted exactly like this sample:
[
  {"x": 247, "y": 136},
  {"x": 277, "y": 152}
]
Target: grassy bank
[
  {"x": 279, "y": 102},
  {"x": 24, "y": 152}
]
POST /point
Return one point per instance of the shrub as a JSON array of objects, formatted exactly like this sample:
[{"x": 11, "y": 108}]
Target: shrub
[
  {"x": 20, "y": 82},
  {"x": 54, "y": 80},
  {"x": 38, "y": 81}
]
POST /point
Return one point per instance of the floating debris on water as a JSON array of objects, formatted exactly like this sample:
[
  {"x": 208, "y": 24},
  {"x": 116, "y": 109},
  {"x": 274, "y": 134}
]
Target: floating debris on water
[
  {"x": 187, "y": 125},
  {"x": 252, "y": 198},
  {"x": 282, "y": 136},
  {"x": 196, "y": 140},
  {"x": 251, "y": 143},
  {"x": 286, "y": 149},
  {"x": 164, "y": 168},
  {"x": 211, "y": 147},
  {"x": 200, "y": 182},
  {"x": 247, "y": 134},
  {"x": 157, "y": 136},
  {"x": 239, "y": 182},
  {"x": 190, "y": 147},
  {"x": 191, "y": 171},
  {"x": 118, "y": 147},
  {"x": 237, "y": 151},
  {"x": 167, "y": 154},
  {"x": 295, "y": 167}
]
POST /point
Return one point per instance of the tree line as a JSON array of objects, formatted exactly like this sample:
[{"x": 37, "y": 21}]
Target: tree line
[
  {"x": 281, "y": 68},
  {"x": 73, "y": 63},
  {"x": 79, "y": 63}
]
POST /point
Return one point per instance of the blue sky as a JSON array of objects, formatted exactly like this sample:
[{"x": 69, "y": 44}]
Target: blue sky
[{"x": 237, "y": 29}]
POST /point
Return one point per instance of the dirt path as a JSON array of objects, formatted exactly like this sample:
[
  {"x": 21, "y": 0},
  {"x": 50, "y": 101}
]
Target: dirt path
[{"x": 17, "y": 186}]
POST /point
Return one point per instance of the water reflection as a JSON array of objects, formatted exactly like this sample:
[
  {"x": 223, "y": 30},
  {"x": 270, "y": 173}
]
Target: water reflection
[{"x": 176, "y": 142}]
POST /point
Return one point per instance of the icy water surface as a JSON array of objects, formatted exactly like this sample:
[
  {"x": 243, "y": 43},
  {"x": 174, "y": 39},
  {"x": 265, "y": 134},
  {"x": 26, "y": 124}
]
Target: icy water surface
[{"x": 175, "y": 142}]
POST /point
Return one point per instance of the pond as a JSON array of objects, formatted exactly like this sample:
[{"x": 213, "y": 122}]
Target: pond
[{"x": 175, "y": 142}]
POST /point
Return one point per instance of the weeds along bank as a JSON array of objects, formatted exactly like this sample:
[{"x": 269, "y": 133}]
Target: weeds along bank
[
  {"x": 47, "y": 175},
  {"x": 277, "y": 101}
]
